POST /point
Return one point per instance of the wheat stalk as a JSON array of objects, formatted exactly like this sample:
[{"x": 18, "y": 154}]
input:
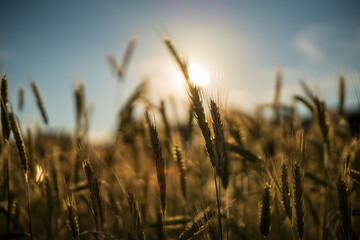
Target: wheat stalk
[
  {"x": 285, "y": 191},
  {"x": 4, "y": 108},
  {"x": 307, "y": 103},
  {"x": 50, "y": 206},
  {"x": 345, "y": 209},
  {"x": 6, "y": 129},
  {"x": 265, "y": 212},
  {"x": 342, "y": 95},
  {"x": 23, "y": 159},
  {"x": 168, "y": 138},
  {"x": 299, "y": 200},
  {"x": 39, "y": 102},
  {"x": 137, "y": 231},
  {"x": 79, "y": 103},
  {"x": 323, "y": 121},
  {"x": 159, "y": 161},
  {"x": 72, "y": 220},
  {"x": 21, "y": 95},
  {"x": 19, "y": 142},
  {"x": 95, "y": 196},
  {"x": 220, "y": 148},
  {"x": 196, "y": 101},
  {"x": 181, "y": 168}
]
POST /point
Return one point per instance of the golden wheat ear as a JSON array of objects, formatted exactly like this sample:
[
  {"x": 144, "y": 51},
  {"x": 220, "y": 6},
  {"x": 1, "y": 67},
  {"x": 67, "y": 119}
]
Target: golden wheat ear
[
  {"x": 97, "y": 209},
  {"x": 285, "y": 191},
  {"x": 19, "y": 142},
  {"x": 181, "y": 168},
  {"x": 158, "y": 159},
  {"x": 72, "y": 219}
]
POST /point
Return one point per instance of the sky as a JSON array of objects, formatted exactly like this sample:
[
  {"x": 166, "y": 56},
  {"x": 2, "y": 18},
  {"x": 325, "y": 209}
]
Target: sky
[{"x": 240, "y": 43}]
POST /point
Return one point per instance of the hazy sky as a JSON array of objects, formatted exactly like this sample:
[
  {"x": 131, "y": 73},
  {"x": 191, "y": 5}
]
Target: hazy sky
[{"x": 241, "y": 44}]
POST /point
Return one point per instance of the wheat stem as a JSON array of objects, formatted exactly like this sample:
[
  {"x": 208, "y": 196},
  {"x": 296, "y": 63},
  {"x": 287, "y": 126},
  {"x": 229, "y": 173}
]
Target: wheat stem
[{"x": 218, "y": 205}]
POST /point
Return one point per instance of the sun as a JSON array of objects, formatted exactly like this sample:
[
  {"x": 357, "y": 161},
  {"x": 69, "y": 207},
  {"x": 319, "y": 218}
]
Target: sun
[{"x": 199, "y": 75}]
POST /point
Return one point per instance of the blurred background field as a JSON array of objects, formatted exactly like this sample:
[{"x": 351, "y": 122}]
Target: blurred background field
[{"x": 179, "y": 120}]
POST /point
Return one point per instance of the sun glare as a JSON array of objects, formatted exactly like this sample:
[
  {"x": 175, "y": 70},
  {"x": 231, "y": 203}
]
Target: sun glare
[{"x": 198, "y": 75}]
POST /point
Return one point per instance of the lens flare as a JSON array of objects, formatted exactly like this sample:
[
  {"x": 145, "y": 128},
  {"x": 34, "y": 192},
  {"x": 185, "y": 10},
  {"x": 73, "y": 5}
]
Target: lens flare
[{"x": 198, "y": 75}]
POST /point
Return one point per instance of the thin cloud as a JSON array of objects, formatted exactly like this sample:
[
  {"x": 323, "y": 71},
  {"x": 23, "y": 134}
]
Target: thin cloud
[{"x": 307, "y": 43}]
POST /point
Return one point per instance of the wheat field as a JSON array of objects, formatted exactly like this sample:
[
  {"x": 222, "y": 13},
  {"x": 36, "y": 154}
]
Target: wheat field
[{"x": 221, "y": 174}]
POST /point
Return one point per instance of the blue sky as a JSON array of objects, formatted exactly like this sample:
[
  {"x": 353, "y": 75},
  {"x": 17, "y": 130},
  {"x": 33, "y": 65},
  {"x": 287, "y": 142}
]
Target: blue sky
[{"x": 241, "y": 44}]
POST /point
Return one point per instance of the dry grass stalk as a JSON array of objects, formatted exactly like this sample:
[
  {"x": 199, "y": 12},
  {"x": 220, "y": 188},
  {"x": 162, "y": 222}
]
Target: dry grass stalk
[
  {"x": 265, "y": 212},
  {"x": 39, "y": 102},
  {"x": 95, "y": 196},
  {"x": 285, "y": 191},
  {"x": 345, "y": 210},
  {"x": 159, "y": 161},
  {"x": 299, "y": 200}
]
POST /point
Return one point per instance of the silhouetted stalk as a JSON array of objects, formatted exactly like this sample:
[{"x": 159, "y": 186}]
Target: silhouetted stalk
[
  {"x": 218, "y": 204},
  {"x": 29, "y": 207},
  {"x": 8, "y": 186}
]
